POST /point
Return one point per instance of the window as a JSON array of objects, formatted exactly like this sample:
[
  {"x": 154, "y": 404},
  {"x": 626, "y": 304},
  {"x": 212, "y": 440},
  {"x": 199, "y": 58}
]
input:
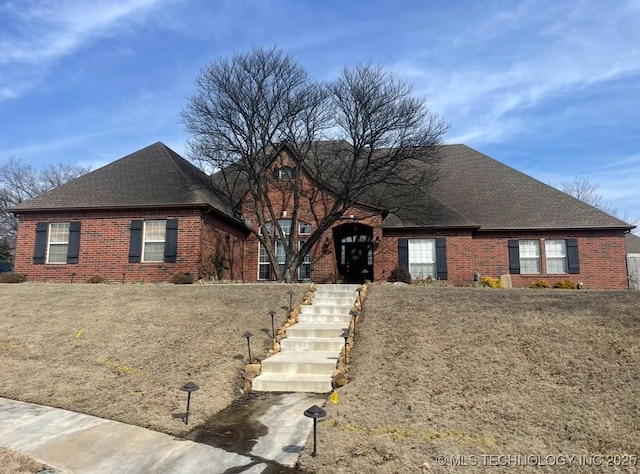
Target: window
[
  {"x": 267, "y": 226},
  {"x": 281, "y": 256},
  {"x": 529, "y": 256},
  {"x": 286, "y": 172},
  {"x": 285, "y": 225},
  {"x": 422, "y": 258},
  {"x": 154, "y": 237},
  {"x": 58, "y": 246},
  {"x": 264, "y": 266},
  {"x": 304, "y": 228},
  {"x": 556, "y": 256},
  {"x": 304, "y": 271}
]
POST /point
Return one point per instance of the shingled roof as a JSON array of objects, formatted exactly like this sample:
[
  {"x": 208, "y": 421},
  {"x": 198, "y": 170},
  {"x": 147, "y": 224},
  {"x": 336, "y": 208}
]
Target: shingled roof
[
  {"x": 498, "y": 197},
  {"x": 153, "y": 177},
  {"x": 474, "y": 191}
]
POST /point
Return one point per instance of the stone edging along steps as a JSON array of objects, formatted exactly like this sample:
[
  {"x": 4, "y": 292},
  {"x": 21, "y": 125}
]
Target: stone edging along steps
[{"x": 308, "y": 355}]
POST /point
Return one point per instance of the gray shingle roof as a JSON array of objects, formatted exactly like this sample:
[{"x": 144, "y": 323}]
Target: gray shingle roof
[
  {"x": 155, "y": 176},
  {"x": 474, "y": 191},
  {"x": 632, "y": 242},
  {"x": 498, "y": 197}
]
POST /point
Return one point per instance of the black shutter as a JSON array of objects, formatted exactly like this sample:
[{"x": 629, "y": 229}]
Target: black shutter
[
  {"x": 40, "y": 249},
  {"x": 171, "y": 241},
  {"x": 403, "y": 253},
  {"x": 135, "y": 242},
  {"x": 573, "y": 260},
  {"x": 514, "y": 257},
  {"x": 441, "y": 258},
  {"x": 74, "y": 242}
]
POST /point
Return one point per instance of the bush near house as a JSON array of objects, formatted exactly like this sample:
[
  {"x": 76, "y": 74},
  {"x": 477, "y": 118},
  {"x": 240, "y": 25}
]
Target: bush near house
[
  {"x": 564, "y": 285},
  {"x": 12, "y": 277},
  {"x": 97, "y": 279},
  {"x": 491, "y": 282},
  {"x": 182, "y": 279},
  {"x": 400, "y": 274},
  {"x": 539, "y": 284}
]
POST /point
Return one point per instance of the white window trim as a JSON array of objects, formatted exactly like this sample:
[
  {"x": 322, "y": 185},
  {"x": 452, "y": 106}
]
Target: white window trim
[
  {"x": 537, "y": 258},
  {"x": 146, "y": 241},
  {"x": 60, "y": 243},
  {"x": 305, "y": 261},
  {"x": 261, "y": 263},
  {"x": 414, "y": 242},
  {"x": 562, "y": 258},
  {"x": 306, "y": 224}
]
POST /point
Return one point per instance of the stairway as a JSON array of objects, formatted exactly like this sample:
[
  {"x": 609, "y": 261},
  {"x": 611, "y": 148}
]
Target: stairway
[{"x": 311, "y": 349}]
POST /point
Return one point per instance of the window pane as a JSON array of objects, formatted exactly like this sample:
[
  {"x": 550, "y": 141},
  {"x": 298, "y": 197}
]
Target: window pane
[
  {"x": 422, "y": 258},
  {"x": 59, "y": 233},
  {"x": 58, "y": 253},
  {"x": 285, "y": 225},
  {"x": 529, "y": 256},
  {"x": 267, "y": 226},
  {"x": 304, "y": 271},
  {"x": 155, "y": 231},
  {"x": 280, "y": 253},
  {"x": 154, "y": 251},
  {"x": 304, "y": 228},
  {"x": 264, "y": 266},
  {"x": 556, "y": 252}
]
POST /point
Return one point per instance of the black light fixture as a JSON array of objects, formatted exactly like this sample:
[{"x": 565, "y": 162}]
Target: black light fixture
[
  {"x": 353, "y": 313},
  {"x": 123, "y": 275},
  {"x": 248, "y": 336},
  {"x": 315, "y": 412},
  {"x": 346, "y": 336},
  {"x": 325, "y": 246},
  {"x": 73, "y": 275},
  {"x": 189, "y": 387},
  {"x": 291, "y": 293},
  {"x": 272, "y": 313},
  {"x": 376, "y": 243},
  {"x": 359, "y": 290}
]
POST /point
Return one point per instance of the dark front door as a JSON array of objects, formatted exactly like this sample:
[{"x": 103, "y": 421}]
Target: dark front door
[{"x": 357, "y": 260}]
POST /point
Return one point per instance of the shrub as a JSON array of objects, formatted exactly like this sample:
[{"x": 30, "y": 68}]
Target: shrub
[
  {"x": 564, "y": 285},
  {"x": 400, "y": 273},
  {"x": 181, "y": 279},
  {"x": 539, "y": 284},
  {"x": 12, "y": 277},
  {"x": 491, "y": 282},
  {"x": 97, "y": 279}
]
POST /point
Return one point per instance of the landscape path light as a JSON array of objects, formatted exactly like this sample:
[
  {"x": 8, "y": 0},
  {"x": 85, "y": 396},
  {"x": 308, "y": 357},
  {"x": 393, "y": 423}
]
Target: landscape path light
[
  {"x": 248, "y": 335},
  {"x": 272, "y": 313},
  {"x": 315, "y": 412},
  {"x": 359, "y": 290},
  {"x": 189, "y": 387},
  {"x": 291, "y": 293},
  {"x": 345, "y": 335},
  {"x": 353, "y": 314}
]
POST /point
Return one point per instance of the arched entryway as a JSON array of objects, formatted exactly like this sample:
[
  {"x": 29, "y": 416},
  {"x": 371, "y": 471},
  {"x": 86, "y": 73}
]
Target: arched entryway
[{"x": 354, "y": 252}]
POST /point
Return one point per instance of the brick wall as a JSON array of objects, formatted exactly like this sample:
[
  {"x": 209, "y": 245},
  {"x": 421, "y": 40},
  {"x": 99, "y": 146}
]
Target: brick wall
[
  {"x": 104, "y": 247},
  {"x": 602, "y": 256}
]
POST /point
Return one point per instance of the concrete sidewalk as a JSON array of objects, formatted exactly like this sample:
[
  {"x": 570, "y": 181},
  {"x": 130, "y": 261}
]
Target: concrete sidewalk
[{"x": 76, "y": 443}]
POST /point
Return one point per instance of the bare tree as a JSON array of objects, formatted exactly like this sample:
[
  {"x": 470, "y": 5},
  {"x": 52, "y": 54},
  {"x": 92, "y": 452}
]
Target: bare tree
[
  {"x": 352, "y": 140},
  {"x": 19, "y": 182},
  {"x": 583, "y": 189}
]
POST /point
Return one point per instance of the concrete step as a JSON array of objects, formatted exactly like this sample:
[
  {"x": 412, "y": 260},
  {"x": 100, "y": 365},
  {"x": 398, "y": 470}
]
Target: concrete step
[
  {"x": 317, "y": 329},
  {"x": 309, "y": 362},
  {"x": 323, "y": 318},
  {"x": 312, "y": 383},
  {"x": 323, "y": 344},
  {"x": 335, "y": 300},
  {"x": 326, "y": 309}
]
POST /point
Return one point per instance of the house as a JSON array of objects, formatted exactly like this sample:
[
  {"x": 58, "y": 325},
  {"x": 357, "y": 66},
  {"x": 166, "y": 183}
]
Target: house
[{"x": 152, "y": 214}]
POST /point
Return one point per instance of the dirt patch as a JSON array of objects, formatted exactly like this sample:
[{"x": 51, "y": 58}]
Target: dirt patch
[
  {"x": 122, "y": 352},
  {"x": 460, "y": 375}
]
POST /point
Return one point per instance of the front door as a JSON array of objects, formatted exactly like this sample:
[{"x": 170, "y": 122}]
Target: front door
[{"x": 357, "y": 260}]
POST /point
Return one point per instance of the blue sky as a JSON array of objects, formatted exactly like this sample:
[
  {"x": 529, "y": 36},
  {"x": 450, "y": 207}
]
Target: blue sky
[{"x": 551, "y": 88}]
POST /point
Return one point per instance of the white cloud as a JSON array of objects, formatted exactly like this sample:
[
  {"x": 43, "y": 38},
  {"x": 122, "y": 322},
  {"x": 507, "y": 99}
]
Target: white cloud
[{"x": 512, "y": 62}]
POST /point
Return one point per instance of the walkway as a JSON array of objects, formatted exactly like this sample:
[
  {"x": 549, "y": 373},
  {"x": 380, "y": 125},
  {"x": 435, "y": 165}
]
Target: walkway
[{"x": 311, "y": 349}]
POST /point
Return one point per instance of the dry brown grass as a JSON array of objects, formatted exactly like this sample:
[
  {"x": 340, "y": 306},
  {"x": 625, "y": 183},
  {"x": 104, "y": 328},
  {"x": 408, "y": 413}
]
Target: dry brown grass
[
  {"x": 462, "y": 371},
  {"x": 123, "y": 351},
  {"x": 12, "y": 462}
]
